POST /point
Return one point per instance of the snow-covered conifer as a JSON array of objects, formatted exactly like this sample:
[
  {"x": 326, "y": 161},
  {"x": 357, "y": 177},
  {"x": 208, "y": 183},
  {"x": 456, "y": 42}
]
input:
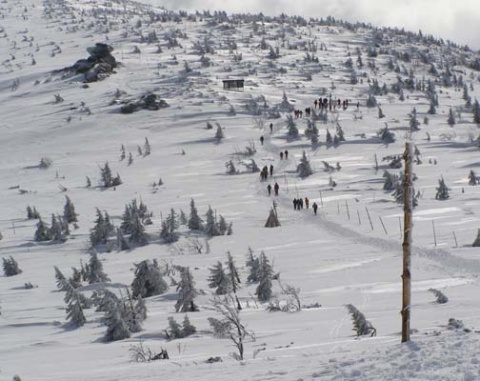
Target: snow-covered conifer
[
  {"x": 265, "y": 274},
  {"x": 42, "y": 233},
  {"x": 194, "y": 222},
  {"x": 174, "y": 329},
  {"x": 360, "y": 325},
  {"x": 222, "y": 225},
  {"x": 292, "y": 127},
  {"x": 219, "y": 280},
  {"x": 146, "y": 148},
  {"x": 186, "y": 292},
  {"x": 69, "y": 211},
  {"x": 148, "y": 280},
  {"x": 117, "y": 328},
  {"x": 219, "y": 133},
  {"x": 95, "y": 272},
  {"x": 211, "y": 226},
  {"x": 451, "y": 118},
  {"x": 476, "y": 112},
  {"x": 187, "y": 327},
  {"x": 303, "y": 168},
  {"x": 75, "y": 314},
  {"x": 254, "y": 264},
  {"x": 414, "y": 123},
  {"x": 10, "y": 267},
  {"x": 60, "y": 279},
  {"x": 102, "y": 229},
  {"x": 170, "y": 225}
]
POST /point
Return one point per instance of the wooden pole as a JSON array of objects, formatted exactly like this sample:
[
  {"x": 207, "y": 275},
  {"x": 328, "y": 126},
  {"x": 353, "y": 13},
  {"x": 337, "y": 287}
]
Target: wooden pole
[
  {"x": 321, "y": 198},
  {"x": 359, "y": 220},
  {"x": 455, "y": 238},
  {"x": 369, "y": 218},
  {"x": 348, "y": 211},
  {"x": 407, "y": 241},
  {"x": 384, "y": 228},
  {"x": 434, "y": 234}
]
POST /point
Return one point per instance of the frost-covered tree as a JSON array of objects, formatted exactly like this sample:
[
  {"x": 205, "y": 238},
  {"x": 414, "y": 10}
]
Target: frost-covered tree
[
  {"x": 138, "y": 234},
  {"x": 303, "y": 168},
  {"x": 186, "y": 292},
  {"x": 254, "y": 264},
  {"x": 265, "y": 274},
  {"x": 386, "y": 135},
  {"x": 148, "y": 280},
  {"x": 233, "y": 277},
  {"x": 121, "y": 242},
  {"x": 182, "y": 218},
  {"x": 134, "y": 312},
  {"x": 60, "y": 279},
  {"x": 170, "y": 225},
  {"x": 371, "y": 101},
  {"x": 32, "y": 213},
  {"x": 442, "y": 190},
  {"x": 441, "y": 297},
  {"x": 194, "y": 221},
  {"x": 10, "y": 267},
  {"x": 102, "y": 229},
  {"x": 107, "y": 180},
  {"x": 451, "y": 118},
  {"x": 75, "y": 314},
  {"x": 414, "y": 123},
  {"x": 174, "y": 329},
  {"x": 311, "y": 132},
  {"x": 42, "y": 233},
  {"x": 211, "y": 226},
  {"x": 146, "y": 148},
  {"x": 292, "y": 128},
  {"x": 69, "y": 211},
  {"x": 187, "y": 327},
  {"x": 94, "y": 270},
  {"x": 476, "y": 112},
  {"x": 219, "y": 280},
  {"x": 390, "y": 181},
  {"x": 219, "y": 133},
  {"x": 59, "y": 230},
  {"x": 360, "y": 324},
  {"x": 117, "y": 327},
  {"x": 328, "y": 137}
]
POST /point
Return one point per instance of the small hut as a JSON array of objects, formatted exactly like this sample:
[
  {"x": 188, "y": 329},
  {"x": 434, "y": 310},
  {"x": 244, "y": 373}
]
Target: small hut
[{"x": 233, "y": 84}]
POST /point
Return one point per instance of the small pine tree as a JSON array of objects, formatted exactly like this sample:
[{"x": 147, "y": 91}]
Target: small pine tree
[
  {"x": 122, "y": 153},
  {"x": 219, "y": 133},
  {"x": 117, "y": 328},
  {"x": 182, "y": 219},
  {"x": 75, "y": 314},
  {"x": 102, "y": 229},
  {"x": 292, "y": 128},
  {"x": 414, "y": 123},
  {"x": 390, "y": 182},
  {"x": 69, "y": 211},
  {"x": 254, "y": 264},
  {"x": 94, "y": 270},
  {"x": 442, "y": 190},
  {"x": 476, "y": 112},
  {"x": 146, "y": 148},
  {"x": 187, "y": 327},
  {"x": 174, "y": 329},
  {"x": 10, "y": 267},
  {"x": 441, "y": 297},
  {"x": 222, "y": 225},
  {"x": 303, "y": 168},
  {"x": 360, "y": 325},
  {"x": 472, "y": 178},
  {"x": 328, "y": 137},
  {"x": 265, "y": 274},
  {"x": 170, "y": 226},
  {"x": 219, "y": 280},
  {"x": 211, "y": 227},
  {"x": 42, "y": 234},
  {"x": 60, "y": 279},
  {"x": 194, "y": 222},
  {"x": 186, "y": 292},
  {"x": 148, "y": 280},
  {"x": 451, "y": 118}
]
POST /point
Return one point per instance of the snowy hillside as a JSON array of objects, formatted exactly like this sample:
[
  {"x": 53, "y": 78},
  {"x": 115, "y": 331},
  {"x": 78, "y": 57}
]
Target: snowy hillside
[{"x": 155, "y": 110}]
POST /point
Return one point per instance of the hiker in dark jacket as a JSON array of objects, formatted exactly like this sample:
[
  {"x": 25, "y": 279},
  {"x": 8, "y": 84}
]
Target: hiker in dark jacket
[
  {"x": 276, "y": 187},
  {"x": 269, "y": 189},
  {"x": 315, "y": 207}
]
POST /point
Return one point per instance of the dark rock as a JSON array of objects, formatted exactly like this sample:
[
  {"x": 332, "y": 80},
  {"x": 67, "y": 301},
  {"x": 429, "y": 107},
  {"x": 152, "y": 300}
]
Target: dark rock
[{"x": 129, "y": 108}]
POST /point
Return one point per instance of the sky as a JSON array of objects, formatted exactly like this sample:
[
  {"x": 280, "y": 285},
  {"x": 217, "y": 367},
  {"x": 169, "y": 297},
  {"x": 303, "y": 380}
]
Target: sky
[{"x": 458, "y": 21}]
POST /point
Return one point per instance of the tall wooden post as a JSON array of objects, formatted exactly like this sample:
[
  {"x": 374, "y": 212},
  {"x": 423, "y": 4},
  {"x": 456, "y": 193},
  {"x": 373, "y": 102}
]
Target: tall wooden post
[{"x": 407, "y": 240}]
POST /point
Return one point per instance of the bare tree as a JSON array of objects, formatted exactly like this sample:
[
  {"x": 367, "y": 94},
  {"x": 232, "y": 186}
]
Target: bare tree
[{"x": 236, "y": 332}]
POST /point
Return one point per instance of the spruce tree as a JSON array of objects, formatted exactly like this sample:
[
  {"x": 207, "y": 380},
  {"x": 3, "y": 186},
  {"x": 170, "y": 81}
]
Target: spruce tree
[
  {"x": 194, "y": 222},
  {"x": 186, "y": 292},
  {"x": 265, "y": 274},
  {"x": 69, "y": 211},
  {"x": 233, "y": 277},
  {"x": 174, "y": 329},
  {"x": 95, "y": 272},
  {"x": 134, "y": 313},
  {"x": 42, "y": 233},
  {"x": 254, "y": 264},
  {"x": 148, "y": 280},
  {"x": 10, "y": 267},
  {"x": 303, "y": 168},
  {"x": 60, "y": 279},
  {"x": 219, "y": 280},
  {"x": 476, "y": 112},
  {"x": 451, "y": 118},
  {"x": 117, "y": 328},
  {"x": 102, "y": 229},
  {"x": 170, "y": 226},
  {"x": 146, "y": 148},
  {"x": 75, "y": 314},
  {"x": 187, "y": 327},
  {"x": 222, "y": 225},
  {"x": 211, "y": 227},
  {"x": 292, "y": 127},
  {"x": 414, "y": 123}
]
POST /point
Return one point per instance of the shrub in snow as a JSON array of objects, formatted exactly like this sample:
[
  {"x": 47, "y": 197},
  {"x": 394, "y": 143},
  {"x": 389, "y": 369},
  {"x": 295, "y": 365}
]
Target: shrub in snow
[
  {"x": 45, "y": 163},
  {"x": 414, "y": 123},
  {"x": 32, "y": 213},
  {"x": 360, "y": 325},
  {"x": 10, "y": 267},
  {"x": 441, "y": 298}
]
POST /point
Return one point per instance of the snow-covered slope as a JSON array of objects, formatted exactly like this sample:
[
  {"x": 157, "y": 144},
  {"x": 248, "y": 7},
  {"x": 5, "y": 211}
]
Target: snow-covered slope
[{"x": 349, "y": 253}]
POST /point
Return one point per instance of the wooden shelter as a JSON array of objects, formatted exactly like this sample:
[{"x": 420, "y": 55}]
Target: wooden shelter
[{"x": 233, "y": 84}]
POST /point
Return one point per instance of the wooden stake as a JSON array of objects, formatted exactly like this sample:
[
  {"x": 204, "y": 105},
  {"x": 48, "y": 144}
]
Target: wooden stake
[
  {"x": 407, "y": 241},
  {"x": 434, "y": 234},
  {"x": 369, "y": 218},
  {"x": 455, "y": 238},
  {"x": 359, "y": 220},
  {"x": 338, "y": 208},
  {"x": 384, "y": 229},
  {"x": 348, "y": 211}
]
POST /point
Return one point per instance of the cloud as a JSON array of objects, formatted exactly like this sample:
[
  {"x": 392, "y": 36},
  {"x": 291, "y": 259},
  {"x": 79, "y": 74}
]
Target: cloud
[{"x": 458, "y": 21}]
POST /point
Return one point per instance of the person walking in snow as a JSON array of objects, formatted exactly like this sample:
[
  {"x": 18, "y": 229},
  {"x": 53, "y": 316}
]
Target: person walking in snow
[
  {"x": 262, "y": 139},
  {"x": 271, "y": 170},
  {"x": 300, "y": 203},
  {"x": 276, "y": 187},
  {"x": 286, "y": 155},
  {"x": 315, "y": 207},
  {"x": 306, "y": 202},
  {"x": 295, "y": 203},
  {"x": 269, "y": 189},
  {"x": 271, "y": 127},
  {"x": 281, "y": 155}
]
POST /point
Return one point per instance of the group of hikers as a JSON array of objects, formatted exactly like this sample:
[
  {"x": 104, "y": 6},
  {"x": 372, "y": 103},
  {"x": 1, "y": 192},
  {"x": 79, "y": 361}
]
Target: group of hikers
[
  {"x": 299, "y": 202},
  {"x": 276, "y": 187},
  {"x": 265, "y": 171},
  {"x": 323, "y": 104}
]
